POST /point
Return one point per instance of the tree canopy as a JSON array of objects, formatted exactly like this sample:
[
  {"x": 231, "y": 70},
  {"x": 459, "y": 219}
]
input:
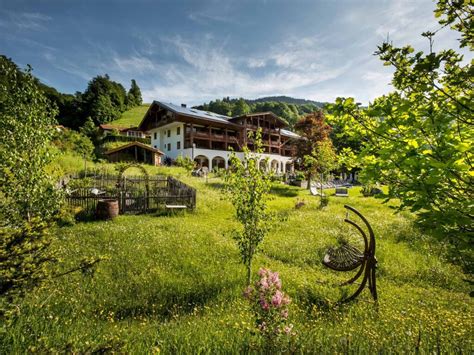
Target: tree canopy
[
  {"x": 290, "y": 112},
  {"x": 419, "y": 138},
  {"x": 103, "y": 100},
  {"x": 134, "y": 95},
  {"x": 314, "y": 152},
  {"x": 28, "y": 198}
]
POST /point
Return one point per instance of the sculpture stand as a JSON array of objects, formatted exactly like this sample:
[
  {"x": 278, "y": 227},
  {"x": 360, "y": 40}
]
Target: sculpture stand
[{"x": 347, "y": 258}]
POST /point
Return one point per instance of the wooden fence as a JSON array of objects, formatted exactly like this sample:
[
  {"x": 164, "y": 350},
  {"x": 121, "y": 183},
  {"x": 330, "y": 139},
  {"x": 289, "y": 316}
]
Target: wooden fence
[{"x": 131, "y": 194}]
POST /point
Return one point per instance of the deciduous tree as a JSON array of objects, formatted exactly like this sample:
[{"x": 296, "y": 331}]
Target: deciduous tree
[
  {"x": 420, "y": 137},
  {"x": 28, "y": 198},
  {"x": 314, "y": 151},
  {"x": 247, "y": 187}
]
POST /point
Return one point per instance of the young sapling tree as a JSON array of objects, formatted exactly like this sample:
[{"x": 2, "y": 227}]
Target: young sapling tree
[{"x": 248, "y": 186}]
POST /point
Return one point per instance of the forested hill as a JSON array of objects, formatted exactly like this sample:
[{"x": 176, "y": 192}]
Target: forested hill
[
  {"x": 279, "y": 105},
  {"x": 104, "y": 100},
  {"x": 288, "y": 100}
]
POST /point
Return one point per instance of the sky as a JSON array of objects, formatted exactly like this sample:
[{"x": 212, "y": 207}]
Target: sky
[{"x": 196, "y": 51}]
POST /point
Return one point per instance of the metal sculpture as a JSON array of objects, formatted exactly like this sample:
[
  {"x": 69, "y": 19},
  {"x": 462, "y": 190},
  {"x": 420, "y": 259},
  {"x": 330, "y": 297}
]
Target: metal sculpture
[{"x": 348, "y": 257}]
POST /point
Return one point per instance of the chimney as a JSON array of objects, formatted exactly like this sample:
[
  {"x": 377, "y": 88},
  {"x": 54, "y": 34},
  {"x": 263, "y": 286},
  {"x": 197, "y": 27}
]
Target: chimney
[{"x": 183, "y": 105}]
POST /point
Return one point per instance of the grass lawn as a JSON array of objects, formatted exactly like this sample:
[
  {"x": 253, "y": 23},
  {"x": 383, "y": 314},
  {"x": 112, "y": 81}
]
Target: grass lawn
[
  {"x": 132, "y": 117},
  {"x": 174, "y": 284}
]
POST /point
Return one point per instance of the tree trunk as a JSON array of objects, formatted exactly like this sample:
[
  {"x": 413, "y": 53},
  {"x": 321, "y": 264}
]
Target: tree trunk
[
  {"x": 249, "y": 272},
  {"x": 308, "y": 178}
]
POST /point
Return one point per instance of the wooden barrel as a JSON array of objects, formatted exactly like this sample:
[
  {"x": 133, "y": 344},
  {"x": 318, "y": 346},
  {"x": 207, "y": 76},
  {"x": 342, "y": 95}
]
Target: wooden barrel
[{"x": 107, "y": 209}]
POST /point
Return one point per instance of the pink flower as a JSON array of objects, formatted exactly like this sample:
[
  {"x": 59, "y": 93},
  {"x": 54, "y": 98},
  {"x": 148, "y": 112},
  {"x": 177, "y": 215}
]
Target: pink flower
[
  {"x": 288, "y": 329},
  {"x": 277, "y": 299},
  {"x": 262, "y": 272},
  {"x": 274, "y": 279},
  {"x": 284, "y": 314},
  {"x": 264, "y": 304},
  {"x": 264, "y": 283}
]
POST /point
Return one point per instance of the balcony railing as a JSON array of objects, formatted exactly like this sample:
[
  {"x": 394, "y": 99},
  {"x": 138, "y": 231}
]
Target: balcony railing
[{"x": 212, "y": 136}]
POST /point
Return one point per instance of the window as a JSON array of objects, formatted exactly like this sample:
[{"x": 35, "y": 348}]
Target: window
[
  {"x": 178, "y": 145},
  {"x": 169, "y": 133},
  {"x": 155, "y": 135},
  {"x": 155, "y": 145},
  {"x": 178, "y": 131},
  {"x": 169, "y": 146}
]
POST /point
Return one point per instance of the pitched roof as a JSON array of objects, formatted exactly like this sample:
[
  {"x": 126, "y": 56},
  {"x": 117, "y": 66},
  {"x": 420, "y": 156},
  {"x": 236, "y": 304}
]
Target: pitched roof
[
  {"x": 193, "y": 112},
  {"x": 138, "y": 144},
  {"x": 263, "y": 114},
  {"x": 211, "y": 116},
  {"x": 288, "y": 133},
  {"x": 106, "y": 126}
]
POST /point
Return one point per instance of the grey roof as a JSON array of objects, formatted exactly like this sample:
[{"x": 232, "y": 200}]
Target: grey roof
[
  {"x": 287, "y": 133},
  {"x": 210, "y": 115},
  {"x": 193, "y": 112}
]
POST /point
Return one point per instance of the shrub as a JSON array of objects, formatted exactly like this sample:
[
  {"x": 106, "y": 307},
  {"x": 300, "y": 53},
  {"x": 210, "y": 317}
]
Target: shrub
[
  {"x": 270, "y": 307},
  {"x": 185, "y": 162},
  {"x": 299, "y": 176},
  {"x": 75, "y": 142},
  {"x": 370, "y": 190}
]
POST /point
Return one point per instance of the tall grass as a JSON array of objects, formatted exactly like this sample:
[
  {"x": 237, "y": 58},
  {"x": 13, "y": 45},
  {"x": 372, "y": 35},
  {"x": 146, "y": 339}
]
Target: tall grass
[{"x": 174, "y": 284}]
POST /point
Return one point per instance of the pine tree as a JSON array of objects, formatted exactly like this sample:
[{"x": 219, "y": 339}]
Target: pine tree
[{"x": 134, "y": 96}]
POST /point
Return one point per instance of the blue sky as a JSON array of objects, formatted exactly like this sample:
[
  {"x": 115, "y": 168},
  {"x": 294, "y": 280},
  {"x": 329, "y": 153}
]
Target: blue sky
[{"x": 195, "y": 51}]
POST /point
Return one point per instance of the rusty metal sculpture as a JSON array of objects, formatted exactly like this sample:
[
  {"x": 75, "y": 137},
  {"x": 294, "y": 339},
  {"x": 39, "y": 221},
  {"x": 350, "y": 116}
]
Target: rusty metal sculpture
[{"x": 348, "y": 257}]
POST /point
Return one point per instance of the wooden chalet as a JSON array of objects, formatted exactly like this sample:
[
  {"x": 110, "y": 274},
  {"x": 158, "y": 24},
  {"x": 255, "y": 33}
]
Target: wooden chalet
[
  {"x": 179, "y": 130},
  {"x": 137, "y": 152}
]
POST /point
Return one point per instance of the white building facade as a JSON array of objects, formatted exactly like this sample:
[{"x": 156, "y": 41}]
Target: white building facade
[{"x": 208, "y": 138}]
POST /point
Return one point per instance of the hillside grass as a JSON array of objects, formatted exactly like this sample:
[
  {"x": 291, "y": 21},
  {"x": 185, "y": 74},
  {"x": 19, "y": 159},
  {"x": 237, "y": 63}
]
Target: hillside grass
[
  {"x": 132, "y": 117},
  {"x": 174, "y": 284}
]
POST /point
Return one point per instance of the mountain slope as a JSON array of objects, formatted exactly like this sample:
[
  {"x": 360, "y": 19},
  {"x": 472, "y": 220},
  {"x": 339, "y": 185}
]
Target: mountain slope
[
  {"x": 131, "y": 117},
  {"x": 288, "y": 100}
]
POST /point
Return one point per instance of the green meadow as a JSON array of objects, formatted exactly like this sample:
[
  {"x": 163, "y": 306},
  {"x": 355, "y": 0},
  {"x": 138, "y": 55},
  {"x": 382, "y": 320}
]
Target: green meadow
[
  {"x": 131, "y": 117},
  {"x": 173, "y": 284}
]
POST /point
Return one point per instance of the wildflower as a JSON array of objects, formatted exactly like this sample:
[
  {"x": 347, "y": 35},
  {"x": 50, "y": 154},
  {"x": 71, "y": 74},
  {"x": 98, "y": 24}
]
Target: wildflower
[
  {"x": 269, "y": 304},
  {"x": 277, "y": 298},
  {"x": 275, "y": 280},
  {"x": 264, "y": 304}
]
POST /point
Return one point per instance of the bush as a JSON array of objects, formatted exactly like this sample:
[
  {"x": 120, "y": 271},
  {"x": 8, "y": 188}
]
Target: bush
[
  {"x": 74, "y": 142},
  {"x": 270, "y": 307},
  {"x": 24, "y": 253},
  {"x": 370, "y": 190},
  {"x": 185, "y": 162},
  {"x": 299, "y": 176}
]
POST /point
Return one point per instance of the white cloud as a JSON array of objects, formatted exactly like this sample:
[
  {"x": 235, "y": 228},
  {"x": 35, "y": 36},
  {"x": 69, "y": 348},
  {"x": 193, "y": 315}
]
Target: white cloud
[
  {"x": 256, "y": 63},
  {"x": 205, "y": 18},
  {"x": 33, "y": 21},
  {"x": 208, "y": 72},
  {"x": 134, "y": 64}
]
